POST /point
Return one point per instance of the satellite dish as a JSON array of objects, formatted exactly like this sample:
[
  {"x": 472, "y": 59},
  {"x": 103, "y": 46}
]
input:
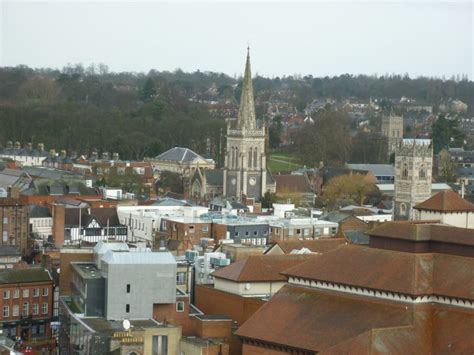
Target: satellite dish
[{"x": 126, "y": 324}]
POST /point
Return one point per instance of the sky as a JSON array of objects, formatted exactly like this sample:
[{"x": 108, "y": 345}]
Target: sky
[{"x": 320, "y": 38}]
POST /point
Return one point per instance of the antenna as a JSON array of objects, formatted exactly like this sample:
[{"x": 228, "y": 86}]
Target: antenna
[{"x": 126, "y": 324}]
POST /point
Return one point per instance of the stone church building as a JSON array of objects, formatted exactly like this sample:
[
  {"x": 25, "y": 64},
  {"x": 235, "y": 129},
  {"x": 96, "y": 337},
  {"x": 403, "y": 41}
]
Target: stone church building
[{"x": 245, "y": 173}]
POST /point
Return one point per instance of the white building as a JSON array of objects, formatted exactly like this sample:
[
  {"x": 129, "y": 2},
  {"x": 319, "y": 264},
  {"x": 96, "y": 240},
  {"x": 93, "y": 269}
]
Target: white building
[
  {"x": 448, "y": 207},
  {"x": 41, "y": 221}
]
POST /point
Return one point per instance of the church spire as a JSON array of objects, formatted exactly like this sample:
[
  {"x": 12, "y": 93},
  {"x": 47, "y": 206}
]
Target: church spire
[{"x": 246, "y": 118}]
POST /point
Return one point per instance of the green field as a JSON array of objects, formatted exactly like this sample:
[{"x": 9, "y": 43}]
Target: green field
[{"x": 283, "y": 162}]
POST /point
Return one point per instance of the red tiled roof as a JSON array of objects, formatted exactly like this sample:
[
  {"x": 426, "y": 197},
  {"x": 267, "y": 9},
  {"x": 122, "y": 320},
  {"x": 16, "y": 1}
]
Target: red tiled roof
[
  {"x": 321, "y": 245},
  {"x": 291, "y": 184},
  {"x": 309, "y": 319},
  {"x": 260, "y": 268},
  {"x": 446, "y": 201}
]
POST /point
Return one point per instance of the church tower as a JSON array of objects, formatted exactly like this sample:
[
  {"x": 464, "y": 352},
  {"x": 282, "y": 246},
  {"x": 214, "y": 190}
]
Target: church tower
[
  {"x": 245, "y": 166},
  {"x": 413, "y": 167}
]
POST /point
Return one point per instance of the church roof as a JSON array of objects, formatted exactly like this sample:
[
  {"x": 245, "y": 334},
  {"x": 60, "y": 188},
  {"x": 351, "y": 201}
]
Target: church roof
[
  {"x": 179, "y": 154},
  {"x": 446, "y": 201},
  {"x": 246, "y": 118}
]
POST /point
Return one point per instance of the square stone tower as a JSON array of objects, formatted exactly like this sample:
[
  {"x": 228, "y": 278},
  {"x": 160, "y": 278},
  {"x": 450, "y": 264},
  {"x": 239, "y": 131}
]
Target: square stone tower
[
  {"x": 413, "y": 168},
  {"x": 392, "y": 128}
]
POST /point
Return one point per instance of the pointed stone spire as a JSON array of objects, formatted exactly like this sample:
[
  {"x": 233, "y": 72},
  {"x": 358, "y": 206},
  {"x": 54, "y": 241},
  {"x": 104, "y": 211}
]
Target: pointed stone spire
[{"x": 246, "y": 118}]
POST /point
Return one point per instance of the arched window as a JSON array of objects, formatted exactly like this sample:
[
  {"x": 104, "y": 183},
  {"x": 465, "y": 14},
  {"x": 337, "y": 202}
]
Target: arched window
[
  {"x": 255, "y": 159},
  {"x": 232, "y": 157},
  {"x": 405, "y": 171},
  {"x": 422, "y": 173},
  {"x": 237, "y": 162},
  {"x": 250, "y": 157},
  {"x": 403, "y": 209}
]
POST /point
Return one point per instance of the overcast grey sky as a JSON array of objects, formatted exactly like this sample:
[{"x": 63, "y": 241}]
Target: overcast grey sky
[{"x": 321, "y": 38}]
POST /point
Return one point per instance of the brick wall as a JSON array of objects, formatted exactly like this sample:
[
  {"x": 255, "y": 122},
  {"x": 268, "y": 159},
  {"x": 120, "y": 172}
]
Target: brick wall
[
  {"x": 167, "y": 313},
  {"x": 213, "y": 328},
  {"x": 216, "y": 302},
  {"x": 65, "y": 276},
  {"x": 14, "y": 224},
  {"x": 59, "y": 215}
]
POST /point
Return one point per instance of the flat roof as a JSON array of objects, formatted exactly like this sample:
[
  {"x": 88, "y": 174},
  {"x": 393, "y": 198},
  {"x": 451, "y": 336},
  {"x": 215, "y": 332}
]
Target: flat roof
[{"x": 87, "y": 270}]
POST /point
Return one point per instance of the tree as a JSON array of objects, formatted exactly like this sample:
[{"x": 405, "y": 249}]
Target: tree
[
  {"x": 274, "y": 132},
  {"x": 354, "y": 187},
  {"x": 445, "y": 134},
  {"x": 268, "y": 199},
  {"x": 148, "y": 91},
  {"x": 327, "y": 140},
  {"x": 446, "y": 167},
  {"x": 170, "y": 181}
]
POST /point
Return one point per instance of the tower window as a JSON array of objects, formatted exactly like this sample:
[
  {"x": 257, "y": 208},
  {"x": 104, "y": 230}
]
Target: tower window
[
  {"x": 255, "y": 158},
  {"x": 422, "y": 173},
  {"x": 405, "y": 171},
  {"x": 403, "y": 209},
  {"x": 250, "y": 158}
]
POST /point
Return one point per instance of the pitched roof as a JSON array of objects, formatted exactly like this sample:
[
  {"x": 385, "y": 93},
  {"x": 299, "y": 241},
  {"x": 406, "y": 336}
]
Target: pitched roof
[
  {"x": 33, "y": 274},
  {"x": 307, "y": 319},
  {"x": 260, "y": 268},
  {"x": 179, "y": 154},
  {"x": 321, "y": 245},
  {"x": 292, "y": 183},
  {"x": 446, "y": 201}
]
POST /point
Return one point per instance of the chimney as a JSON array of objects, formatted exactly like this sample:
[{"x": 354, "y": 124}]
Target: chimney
[
  {"x": 41, "y": 147},
  {"x": 13, "y": 192},
  {"x": 17, "y": 145},
  {"x": 59, "y": 216},
  {"x": 115, "y": 156},
  {"x": 63, "y": 154}
]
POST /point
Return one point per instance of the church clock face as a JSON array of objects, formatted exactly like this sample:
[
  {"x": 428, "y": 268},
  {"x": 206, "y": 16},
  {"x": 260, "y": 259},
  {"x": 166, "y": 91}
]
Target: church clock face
[
  {"x": 233, "y": 181},
  {"x": 252, "y": 181}
]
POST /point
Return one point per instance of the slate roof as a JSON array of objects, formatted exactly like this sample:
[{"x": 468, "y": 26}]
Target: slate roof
[
  {"x": 179, "y": 154},
  {"x": 37, "y": 211},
  {"x": 356, "y": 236},
  {"x": 376, "y": 169},
  {"x": 214, "y": 177},
  {"x": 24, "y": 275},
  {"x": 260, "y": 268},
  {"x": 446, "y": 201}
]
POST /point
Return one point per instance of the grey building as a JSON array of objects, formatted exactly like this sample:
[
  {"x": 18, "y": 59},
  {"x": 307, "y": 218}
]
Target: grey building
[
  {"x": 88, "y": 289},
  {"x": 248, "y": 232}
]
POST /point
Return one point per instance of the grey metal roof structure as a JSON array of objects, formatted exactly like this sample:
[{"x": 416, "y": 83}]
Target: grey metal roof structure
[
  {"x": 376, "y": 169},
  {"x": 134, "y": 258},
  {"x": 179, "y": 154}
]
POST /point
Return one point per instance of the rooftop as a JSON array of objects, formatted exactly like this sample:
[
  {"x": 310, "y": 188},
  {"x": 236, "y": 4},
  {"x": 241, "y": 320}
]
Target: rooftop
[
  {"x": 33, "y": 274},
  {"x": 446, "y": 201},
  {"x": 87, "y": 270}
]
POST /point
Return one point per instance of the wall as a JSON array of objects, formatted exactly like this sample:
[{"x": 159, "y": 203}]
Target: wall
[
  {"x": 236, "y": 307},
  {"x": 168, "y": 314},
  {"x": 173, "y": 333},
  {"x": 14, "y": 225},
  {"x": 255, "y": 350},
  {"x": 65, "y": 276},
  {"x": 254, "y": 288},
  {"x": 460, "y": 219},
  {"x": 156, "y": 284}
]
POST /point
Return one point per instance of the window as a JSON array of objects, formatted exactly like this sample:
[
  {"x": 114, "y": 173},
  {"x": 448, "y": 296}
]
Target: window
[
  {"x": 236, "y": 234},
  {"x": 306, "y": 232},
  {"x": 41, "y": 329},
  {"x": 255, "y": 233},
  {"x": 26, "y": 293},
  {"x": 35, "y": 309},
  {"x": 159, "y": 345},
  {"x": 405, "y": 171},
  {"x": 6, "y": 294},
  {"x": 247, "y": 233},
  {"x": 36, "y": 292},
  {"x": 6, "y": 311},
  {"x": 317, "y": 232},
  {"x": 45, "y": 291},
  {"x": 5, "y": 220},
  {"x": 128, "y": 288},
  {"x": 127, "y": 308},
  {"x": 290, "y": 231},
  {"x": 333, "y": 230},
  {"x": 26, "y": 309},
  {"x": 181, "y": 278},
  {"x": 164, "y": 225},
  {"x": 44, "y": 309},
  {"x": 5, "y": 236},
  {"x": 422, "y": 173},
  {"x": 403, "y": 209},
  {"x": 255, "y": 158},
  {"x": 16, "y": 310},
  {"x": 191, "y": 229},
  {"x": 16, "y": 293},
  {"x": 326, "y": 231},
  {"x": 180, "y": 306},
  {"x": 205, "y": 228},
  {"x": 250, "y": 158}
]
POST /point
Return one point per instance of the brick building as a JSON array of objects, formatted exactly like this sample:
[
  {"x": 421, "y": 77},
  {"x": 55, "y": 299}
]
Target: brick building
[
  {"x": 26, "y": 305},
  {"x": 14, "y": 223}
]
